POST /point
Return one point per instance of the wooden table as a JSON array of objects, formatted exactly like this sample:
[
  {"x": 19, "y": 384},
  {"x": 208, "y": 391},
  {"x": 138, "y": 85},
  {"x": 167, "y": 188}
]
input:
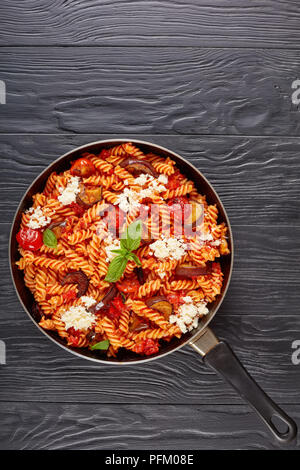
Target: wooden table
[{"x": 211, "y": 80}]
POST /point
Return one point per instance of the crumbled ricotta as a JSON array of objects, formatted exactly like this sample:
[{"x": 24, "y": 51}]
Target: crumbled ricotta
[
  {"x": 78, "y": 318},
  {"x": 205, "y": 236},
  {"x": 111, "y": 244},
  {"x": 188, "y": 314},
  {"x": 143, "y": 179},
  {"x": 156, "y": 187},
  {"x": 87, "y": 301},
  {"x": 129, "y": 200},
  {"x": 69, "y": 193},
  {"x": 170, "y": 248},
  {"x": 37, "y": 218},
  {"x": 216, "y": 243},
  {"x": 163, "y": 179},
  {"x": 161, "y": 274}
]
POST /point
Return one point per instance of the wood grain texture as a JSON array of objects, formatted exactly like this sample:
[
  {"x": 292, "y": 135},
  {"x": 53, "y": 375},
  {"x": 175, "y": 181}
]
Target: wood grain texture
[
  {"x": 257, "y": 178},
  {"x": 222, "y": 81},
  {"x": 194, "y": 22},
  {"x": 73, "y": 426},
  {"x": 39, "y": 371},
  {"x": 149, "y": 90}
]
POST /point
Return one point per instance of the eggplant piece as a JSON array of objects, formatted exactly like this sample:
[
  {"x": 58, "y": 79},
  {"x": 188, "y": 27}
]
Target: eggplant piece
[
  {"x": 88, "y": 195},
  {"x": 57, "y": 229},
  {"x": 138, "y": 324},
  {"x": 94, "y": 337},
  {"x": 187, "y": 271},
  {"x": 139, "y": 166},
  {"x": 110, "y": 295},
  {"x": 161, "y": 304},
  {"x": 79, "y": 278},
  {"x": 147, "y": 241},
  {"x": 196, "y": 213},
  {"x": 140, "y": 275},
  {"x": 37, "y": 312}
]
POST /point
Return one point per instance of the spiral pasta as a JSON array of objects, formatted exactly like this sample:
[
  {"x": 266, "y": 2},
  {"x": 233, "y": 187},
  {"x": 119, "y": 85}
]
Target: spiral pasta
[{"x": 168, "y": 279}]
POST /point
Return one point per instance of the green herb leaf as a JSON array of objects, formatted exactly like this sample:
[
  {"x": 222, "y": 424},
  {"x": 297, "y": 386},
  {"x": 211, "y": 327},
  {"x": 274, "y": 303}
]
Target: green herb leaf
[
  {"x": 102, "y": 345},
  {"x": 133, "y": 236},
  {"x": 124, "y": 244},
  {"x": 123, "y": 297},
  {"x": 134, "y": 258},
  {"x": 120, "y": 251},
  {"x": 116, "y": 268},
  {"x": 128, "y": 244},
  {"x": 49, "y": 238}
]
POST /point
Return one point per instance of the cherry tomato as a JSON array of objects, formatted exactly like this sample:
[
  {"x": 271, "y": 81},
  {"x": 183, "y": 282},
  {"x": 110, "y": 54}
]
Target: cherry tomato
[
  {"x": 180, "y": 210},
  {"x": 68, "y": 296},
  {"x": 181, "y": 201},
  {"x": 79, "y": 210},
  {"x": 175, "y": 299},
  {"x": 128, "y": 286},
  {"x": 114, "y": 218},
  {"x": 174, "y": 180},
  {"x": 83, "y": 167},
  {"x": 118, "y": 303},
  {"x": 147, "y": 346},
  {"x": 116, "y": 308},
  {"x": 73, "y": 338},
  {"x": 29, "y": 239},
  {"x": 113, "y": 313},
  {"x": 104, "y": 154}
]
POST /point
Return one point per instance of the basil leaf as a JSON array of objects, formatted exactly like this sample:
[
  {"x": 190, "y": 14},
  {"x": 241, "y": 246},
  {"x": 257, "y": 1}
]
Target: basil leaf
[
  {"x": 125, "y": 245},
  {"x": 123, "y": 297},
  {"x": 120, "y": 251},
  {"x": 102, "y": 345},
  {"x": 134, "y": 230},
  {"x": 116, "y": 268},
  {"x": 134, "y": 258},
  {"x": 128, "y": 244},
  {"x": 49, "y": 238},
  {"x": 133, "y": 236}
]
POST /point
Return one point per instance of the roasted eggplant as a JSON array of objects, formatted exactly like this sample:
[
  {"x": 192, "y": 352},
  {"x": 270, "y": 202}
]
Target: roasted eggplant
[
  {"x": 138, "y": 167},
  {"x": 138, "y": 324},
  {"x": 89, "y": 195},
  {"x": 140, "y": 275},
  {"x": 161, "y": 304},
  {"x": 57, "y": 229},
  {"x": 188, "y": 271},
  {"x": 37, "y": 312},
  {"x": 79, "y": 278}
]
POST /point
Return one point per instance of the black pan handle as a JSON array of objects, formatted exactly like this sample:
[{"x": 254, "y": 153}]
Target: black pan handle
[{"x": 220, "y": 357}]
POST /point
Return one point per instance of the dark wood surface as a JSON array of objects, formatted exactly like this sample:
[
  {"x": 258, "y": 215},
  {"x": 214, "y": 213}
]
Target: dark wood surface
[
  {"x": 150, "y": 90},
  {"x": 212, "y": 81}
]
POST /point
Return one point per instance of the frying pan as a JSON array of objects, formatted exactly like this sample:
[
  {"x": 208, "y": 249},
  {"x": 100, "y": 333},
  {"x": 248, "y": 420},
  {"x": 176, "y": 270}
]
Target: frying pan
[{"x": 216, "y": 354}]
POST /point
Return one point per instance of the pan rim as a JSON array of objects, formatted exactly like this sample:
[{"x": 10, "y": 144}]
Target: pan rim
[{"x": 198, "y": 333}]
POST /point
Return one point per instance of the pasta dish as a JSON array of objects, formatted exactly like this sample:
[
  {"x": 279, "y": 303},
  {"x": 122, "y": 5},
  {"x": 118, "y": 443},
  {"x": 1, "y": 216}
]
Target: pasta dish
[{"x": 120, "y": 250}]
